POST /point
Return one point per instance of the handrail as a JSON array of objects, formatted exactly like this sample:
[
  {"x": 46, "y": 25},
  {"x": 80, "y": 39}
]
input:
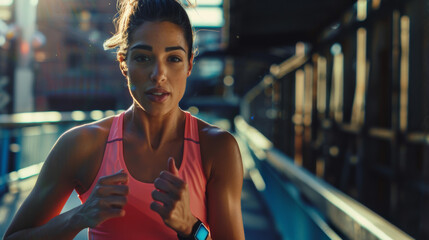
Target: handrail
[
  {"x": 276, "y": 72},
  {"x": 349, "y": 216},
  {"x": 15, "y": 177},
  {"x": 9, "y": 123},
  {"x": 38, "y": 118}
]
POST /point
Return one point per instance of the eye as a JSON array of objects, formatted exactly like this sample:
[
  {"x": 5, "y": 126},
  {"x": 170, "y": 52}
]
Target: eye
[
  {"x": 141, "y": 58},
  {"x": 175, "y": 59}
]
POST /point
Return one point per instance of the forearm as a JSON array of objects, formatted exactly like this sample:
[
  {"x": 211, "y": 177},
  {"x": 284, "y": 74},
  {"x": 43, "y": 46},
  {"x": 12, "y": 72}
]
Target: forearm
[{"x": 64, "y": 226}]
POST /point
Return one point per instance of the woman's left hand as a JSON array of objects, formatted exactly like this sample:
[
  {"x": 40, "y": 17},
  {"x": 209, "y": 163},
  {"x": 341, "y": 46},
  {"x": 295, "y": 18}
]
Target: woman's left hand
[{"x": 171, "y": 200}]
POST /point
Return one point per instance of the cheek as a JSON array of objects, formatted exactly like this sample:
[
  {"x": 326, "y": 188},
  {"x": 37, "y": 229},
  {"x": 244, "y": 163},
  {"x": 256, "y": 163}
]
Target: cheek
[
  {"x": 182, "y": 88},
  {"x": 134, "y": 71},
  {"x": 136, "y": 78}
]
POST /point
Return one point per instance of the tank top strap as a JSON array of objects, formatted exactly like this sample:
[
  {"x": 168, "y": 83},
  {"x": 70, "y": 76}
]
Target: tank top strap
[
  {"x": 115, "y": 133},
  {"x": 192, "y": 169},
  {"x": 112, "y": 153},
  {"x": 191, "y": 133}
]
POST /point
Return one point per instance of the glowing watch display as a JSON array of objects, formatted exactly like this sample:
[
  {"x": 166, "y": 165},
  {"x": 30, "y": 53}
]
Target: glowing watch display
[{"x": 202, "y": 232}]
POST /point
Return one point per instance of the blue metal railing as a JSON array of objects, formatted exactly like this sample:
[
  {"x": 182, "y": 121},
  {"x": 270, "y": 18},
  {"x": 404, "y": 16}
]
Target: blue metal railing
[
  {"x": 26, "y": 139},
  {"x": 303, "y": 206},
  {"x": 4, "y": 157},
  {"x": 294, "y": 218}
]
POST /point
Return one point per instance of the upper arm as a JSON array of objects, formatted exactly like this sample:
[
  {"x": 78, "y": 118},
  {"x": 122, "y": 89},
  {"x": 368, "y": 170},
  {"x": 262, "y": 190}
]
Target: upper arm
[
  {"x": 54, "y": 185},
  {"x": 224, "y": 186}
]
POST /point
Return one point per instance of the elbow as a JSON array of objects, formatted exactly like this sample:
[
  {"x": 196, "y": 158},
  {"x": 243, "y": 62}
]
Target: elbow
[
  {"x": 7, "y": 236},
  {"x": 10, "y": 235}
]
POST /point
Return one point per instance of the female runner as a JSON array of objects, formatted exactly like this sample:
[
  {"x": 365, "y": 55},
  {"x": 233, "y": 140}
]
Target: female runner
[{"x": 152, "y": 172}]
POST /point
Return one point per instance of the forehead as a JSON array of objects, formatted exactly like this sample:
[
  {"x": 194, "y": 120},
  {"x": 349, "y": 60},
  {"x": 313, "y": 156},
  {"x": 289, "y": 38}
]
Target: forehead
[{"x": 159, "y": 34}]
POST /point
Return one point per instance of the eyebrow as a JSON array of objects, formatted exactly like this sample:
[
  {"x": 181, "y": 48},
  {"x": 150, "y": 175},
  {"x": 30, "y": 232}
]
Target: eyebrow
[
  {"x": 149, "y": 48},
  {"x": 141, "y": 46},
  {"x": 168, "y": 49}
]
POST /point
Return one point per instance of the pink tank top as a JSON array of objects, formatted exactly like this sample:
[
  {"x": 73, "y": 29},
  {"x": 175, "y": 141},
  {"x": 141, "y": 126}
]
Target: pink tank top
[{"x": 140, "y": 222}]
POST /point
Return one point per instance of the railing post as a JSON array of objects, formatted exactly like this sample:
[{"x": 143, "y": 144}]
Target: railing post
[{"x": 4, "y": 159}]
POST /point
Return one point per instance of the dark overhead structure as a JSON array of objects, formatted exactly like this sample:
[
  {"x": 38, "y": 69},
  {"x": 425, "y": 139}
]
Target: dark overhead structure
[
  {"x": 351, "y": 104},
  {"x": 262, "y": 24}
]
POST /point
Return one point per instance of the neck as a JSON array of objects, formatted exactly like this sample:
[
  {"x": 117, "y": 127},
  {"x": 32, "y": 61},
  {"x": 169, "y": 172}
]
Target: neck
[{"x": 157, "y": 130}]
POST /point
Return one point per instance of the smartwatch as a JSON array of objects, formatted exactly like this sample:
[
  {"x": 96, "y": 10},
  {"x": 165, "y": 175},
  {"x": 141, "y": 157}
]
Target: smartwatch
[{"x": 199, "y": 232}]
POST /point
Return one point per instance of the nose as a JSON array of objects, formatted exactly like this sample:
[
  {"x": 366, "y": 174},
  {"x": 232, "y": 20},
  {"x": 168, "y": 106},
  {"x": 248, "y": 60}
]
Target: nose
[{"x": 159, "y": 72}]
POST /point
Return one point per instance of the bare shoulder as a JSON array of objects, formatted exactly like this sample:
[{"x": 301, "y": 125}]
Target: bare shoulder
[
  {"x": 84, "y": 137},
  {"x": 79, "y": 152},
  {"x": 214, "y": 137},
  {"x": 219, "y": 149}
]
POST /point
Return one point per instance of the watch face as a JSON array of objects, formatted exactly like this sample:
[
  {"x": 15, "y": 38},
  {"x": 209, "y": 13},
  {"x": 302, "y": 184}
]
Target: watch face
[{"x": 202, "y": 233}]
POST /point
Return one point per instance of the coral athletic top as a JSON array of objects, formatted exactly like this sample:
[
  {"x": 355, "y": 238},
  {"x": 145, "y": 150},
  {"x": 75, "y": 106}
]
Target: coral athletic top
[{"x": 140, "y": 222}]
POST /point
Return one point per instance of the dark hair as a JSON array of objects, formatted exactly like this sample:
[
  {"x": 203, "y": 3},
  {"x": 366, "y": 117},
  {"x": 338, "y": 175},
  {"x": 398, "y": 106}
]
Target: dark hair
[{"x": 133, "y": 13}]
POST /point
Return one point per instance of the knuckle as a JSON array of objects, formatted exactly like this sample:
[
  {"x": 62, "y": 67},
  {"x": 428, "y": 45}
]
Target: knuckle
[
  {"x": 124, "y": 177},
  {"x": 175, "y": 197},
  {"x": 101, "y": 202},
  {"x": 183, "y": 186},
  {"x": 163, "y": 173},
  {"x": 118, "y": 212},
  {"x": 126, "y": 190},
  {"x": 156, "y": 182},
  {"x": 169, "y": 215},
  {"x": 96, "y": 202},
  {"x": 101, "y": 180},
  {"x": 98, "y": 189},
  {"x": 154, "y": 193},
  {"x": 172, "y": 203}
]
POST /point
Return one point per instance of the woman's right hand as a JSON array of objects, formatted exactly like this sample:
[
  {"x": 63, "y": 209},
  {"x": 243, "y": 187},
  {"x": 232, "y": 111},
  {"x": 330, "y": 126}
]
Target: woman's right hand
[{"x": 106, "y": 201}]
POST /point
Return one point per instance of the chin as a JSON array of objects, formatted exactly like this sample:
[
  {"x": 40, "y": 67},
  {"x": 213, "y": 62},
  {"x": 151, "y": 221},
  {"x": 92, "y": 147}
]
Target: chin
[{"x": 153, "y": 110}]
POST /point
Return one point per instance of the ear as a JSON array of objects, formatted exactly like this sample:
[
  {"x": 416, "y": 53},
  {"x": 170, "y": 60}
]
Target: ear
[
  {"x": 191, "y": 65},
  {"x": 123, "y": 64}
]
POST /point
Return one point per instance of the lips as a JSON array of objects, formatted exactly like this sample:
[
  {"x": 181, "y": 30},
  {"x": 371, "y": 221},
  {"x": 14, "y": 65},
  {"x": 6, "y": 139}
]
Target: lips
[
  {"x": 157, "y": 95},
  {"x": 156, "y": 91}
]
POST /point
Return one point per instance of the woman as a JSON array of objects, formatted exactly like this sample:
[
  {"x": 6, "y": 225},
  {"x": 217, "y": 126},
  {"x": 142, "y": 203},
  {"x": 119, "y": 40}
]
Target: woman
[{"x": 152, "y": 172}]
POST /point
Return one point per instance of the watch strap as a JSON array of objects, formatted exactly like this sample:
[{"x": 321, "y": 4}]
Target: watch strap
[{"x": 193, "y": 232}]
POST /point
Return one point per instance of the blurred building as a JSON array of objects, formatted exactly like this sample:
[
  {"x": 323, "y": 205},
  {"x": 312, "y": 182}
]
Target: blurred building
[
  {"x": 7, "y": 60},
  {"x": 72, "y": 69},
  {"x": 74, "y": 72}
]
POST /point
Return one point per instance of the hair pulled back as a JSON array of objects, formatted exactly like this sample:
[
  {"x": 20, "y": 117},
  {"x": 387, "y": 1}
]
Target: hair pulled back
[{"x": 132, "y": 13}]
